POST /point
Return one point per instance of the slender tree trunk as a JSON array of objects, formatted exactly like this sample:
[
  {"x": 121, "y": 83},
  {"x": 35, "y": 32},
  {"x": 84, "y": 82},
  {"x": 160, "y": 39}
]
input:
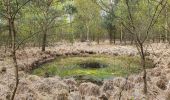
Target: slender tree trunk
[
  {"x": 132, "y": 40},
  {"x": 10, "y": 34},
  {"x": 12, "y": 25},
  {"x": 160, "y": 38},
  {"x": 114, "y": 35},
  {"x": 110, "y": 35},
  {"x": 98, "y": 39},
  {"x": 81, "y": 37},
  {"x": 70, "y": 18},
  {"x": 39, "y": 44},
  {"x": 121, "y": 34},
  {"x": 12, "y": 37},
  {"x": 143, "y": 61},
  {"x": 16, "y": 74},
  {"x": 166, "y": 23},
  {"x": 44, "y": 40},
  {"x": 153, "y": 39},
  {"x": 88, "y": 31},
  {"x": 125, "y": 41},
  {"x": 8, "y": 5},
  {"x": 93, "y": 38},
  {"x": 114, "y": 38}
]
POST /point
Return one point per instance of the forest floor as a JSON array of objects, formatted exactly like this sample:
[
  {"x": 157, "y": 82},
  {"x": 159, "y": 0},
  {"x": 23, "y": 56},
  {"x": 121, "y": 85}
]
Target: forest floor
[{"x": 33, "y": 87}]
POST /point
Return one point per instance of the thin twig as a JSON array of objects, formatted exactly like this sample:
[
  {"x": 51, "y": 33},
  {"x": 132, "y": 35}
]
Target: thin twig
[{"x": 122, "y": 89}]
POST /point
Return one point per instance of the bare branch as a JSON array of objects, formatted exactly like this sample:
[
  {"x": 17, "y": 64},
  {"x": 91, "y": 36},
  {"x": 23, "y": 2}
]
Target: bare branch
[
  {"x": 102, "y": 5},
  {"x": 154, "y": 18},
  {"x": 122, "y": 89},
  {"x": 19, "y": 8},
  {"x": 130, "y": 14}
]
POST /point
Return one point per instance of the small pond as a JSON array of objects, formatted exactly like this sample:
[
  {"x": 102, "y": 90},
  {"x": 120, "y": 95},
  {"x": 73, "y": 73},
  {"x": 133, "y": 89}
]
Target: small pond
[{"x": 93, "y": 66}]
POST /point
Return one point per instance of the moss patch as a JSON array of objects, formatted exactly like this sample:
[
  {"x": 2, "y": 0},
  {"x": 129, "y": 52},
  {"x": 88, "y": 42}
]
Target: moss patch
[{"x": 70, "y": 66}]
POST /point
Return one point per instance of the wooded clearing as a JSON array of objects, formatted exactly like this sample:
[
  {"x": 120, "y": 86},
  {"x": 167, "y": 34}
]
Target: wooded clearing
[{"x": 85, "y": 49}]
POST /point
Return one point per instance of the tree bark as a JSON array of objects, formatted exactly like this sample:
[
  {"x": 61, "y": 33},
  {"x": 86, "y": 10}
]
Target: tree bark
[
  {"x": 160, "y": 38},
  {"x": 10, "y": 34},
  {"x": 132, "y": 40},
  {"x": 98, "y": 39},
  {"x": 143, "y": 61},
  {"x": 8, "y": 8},
  {"x": 121, "y": 34},
  {"x": 44, "y": 40},
  {"x": 71, "y": 26},
  {"x": 16, "y": 75},
  {"x": 166, "y": 23},
  {"x": 110, "y": 36},
  {"x": 114, "y": 37},
  {"x": 88, "y": 31},
  {"x": 12, "y": 25}
]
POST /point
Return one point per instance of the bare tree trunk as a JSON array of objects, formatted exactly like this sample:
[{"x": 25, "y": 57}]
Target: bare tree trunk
[
  {"x": 125, "y": 41},
  {"x": 121, "y": 34},
  {"x": 44, "y": 40},
  {"x": 12, "y": 25},
  {"x": 11, "y": 16},
  {"x": 143, "y": 61},
  {"x": 16, "y": 74},
  {"x": 8, "y": 8},
  {"x": 131, "y": 41},
  {"x": 110, "y": 35},
  {"x": 114, "y": 37},
  {"x": 81, "y": 38},
  {"x": 98, "y": 39},
  {"x": 160, "y": 38},
  {"x": 166, "y": 23},
  {"x": 88, "y": 31},
  {"x": 70, "y": 18},
  {"x": 10, "y": 34},
  {"x": 12, "y": 37},
  {"x": 153, "y": 39}
]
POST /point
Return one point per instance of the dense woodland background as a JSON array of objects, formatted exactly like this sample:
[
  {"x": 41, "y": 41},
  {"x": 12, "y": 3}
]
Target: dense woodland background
[{"x": 45, "y": 22}]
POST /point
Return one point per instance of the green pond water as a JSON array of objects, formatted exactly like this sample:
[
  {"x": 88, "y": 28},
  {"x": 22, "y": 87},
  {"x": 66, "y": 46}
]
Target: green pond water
[{"x": 98, "y": 66}]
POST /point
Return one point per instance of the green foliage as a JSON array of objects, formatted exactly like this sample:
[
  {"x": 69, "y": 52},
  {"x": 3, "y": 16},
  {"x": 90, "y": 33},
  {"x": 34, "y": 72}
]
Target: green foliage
[
  {"x": 70, "y": 66},
  {"x": 70, "y": 9},
  {"x": 88, "y": 18},
  {"x": 81, "y": 19},
  {"x": 142, "y": 12}
]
